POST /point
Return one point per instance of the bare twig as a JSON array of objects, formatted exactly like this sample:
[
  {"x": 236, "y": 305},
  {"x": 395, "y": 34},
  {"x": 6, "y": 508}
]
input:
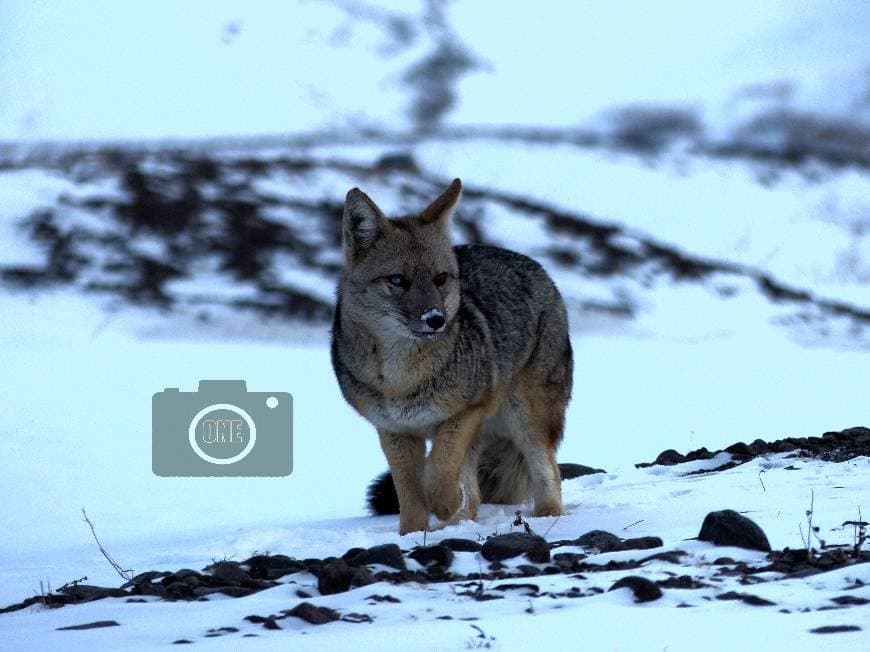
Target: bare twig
[
  {"x": 632, "y": 524},
  {"x": 126, "y": 574},
  {"x": 551, "y": 526}
]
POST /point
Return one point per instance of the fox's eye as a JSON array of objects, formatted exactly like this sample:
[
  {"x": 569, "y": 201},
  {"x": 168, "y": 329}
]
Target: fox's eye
[
  {"x": 441, "y": 279},
  {"x": 398, "y": 280}
]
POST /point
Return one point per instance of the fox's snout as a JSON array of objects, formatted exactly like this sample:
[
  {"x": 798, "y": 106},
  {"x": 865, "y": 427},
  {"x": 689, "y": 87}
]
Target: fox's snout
[{"x": 432, "y": 321}]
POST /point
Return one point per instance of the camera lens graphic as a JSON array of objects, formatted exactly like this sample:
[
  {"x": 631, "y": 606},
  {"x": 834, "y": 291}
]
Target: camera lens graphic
[{"x": 220, "y": 430}]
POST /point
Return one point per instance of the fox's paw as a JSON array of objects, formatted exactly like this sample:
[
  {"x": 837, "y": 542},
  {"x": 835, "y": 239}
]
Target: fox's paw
[
  {"x": 413, "y": 518},
  {"x": 551, "y": 507},
  {"x": 445, "y": 499},
  {"x": 441, "y": 486}
]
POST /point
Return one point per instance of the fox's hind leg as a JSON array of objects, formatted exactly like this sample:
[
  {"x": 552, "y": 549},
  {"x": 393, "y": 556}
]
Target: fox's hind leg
[{"x": 544, "y": 391}]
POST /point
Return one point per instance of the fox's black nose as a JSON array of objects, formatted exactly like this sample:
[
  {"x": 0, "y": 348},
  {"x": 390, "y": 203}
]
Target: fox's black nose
[{"x": 433, "y": 319}]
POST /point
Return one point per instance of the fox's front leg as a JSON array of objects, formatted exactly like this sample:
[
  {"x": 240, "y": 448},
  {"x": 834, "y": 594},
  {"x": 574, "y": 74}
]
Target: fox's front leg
[
  {"x": 449, "y": 449},
  {"x": 406, "y": 455}
]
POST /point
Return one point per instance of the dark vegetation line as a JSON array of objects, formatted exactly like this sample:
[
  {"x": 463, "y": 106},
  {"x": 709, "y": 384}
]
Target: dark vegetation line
[{"x": 205, "y": 210}]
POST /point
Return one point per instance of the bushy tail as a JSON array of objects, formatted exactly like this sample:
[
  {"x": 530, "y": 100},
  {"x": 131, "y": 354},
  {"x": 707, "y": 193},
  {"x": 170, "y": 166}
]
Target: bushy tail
[{"x": 502, "y": 473}]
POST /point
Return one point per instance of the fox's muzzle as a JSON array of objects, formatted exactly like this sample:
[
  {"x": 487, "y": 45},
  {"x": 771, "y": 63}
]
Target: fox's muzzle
[{"x": 432, "y": 321}]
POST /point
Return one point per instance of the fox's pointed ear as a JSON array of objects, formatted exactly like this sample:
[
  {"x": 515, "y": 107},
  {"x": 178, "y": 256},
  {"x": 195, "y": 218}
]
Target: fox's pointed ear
[
  {"x": 441, "y": 210},
  {"x": 363, "y": 221}
]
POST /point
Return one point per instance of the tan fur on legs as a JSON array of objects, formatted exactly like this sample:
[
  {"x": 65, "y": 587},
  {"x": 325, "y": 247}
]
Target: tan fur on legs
[
  {"x": 406, "y": 456},
  {"x": 449, "y": 450},
  {"x": 544, "y": 413}
]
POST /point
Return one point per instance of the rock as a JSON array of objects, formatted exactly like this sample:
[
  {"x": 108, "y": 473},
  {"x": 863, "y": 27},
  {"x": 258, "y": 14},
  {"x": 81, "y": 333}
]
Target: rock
[
  {"x": 86, "y": 592},
  {"x": 144, "y": 578},
  {"x": 229, "y": 572},
  {"x": 670, "y": 556},
  {"x": 338, "y": 577},
  {"x": 94, "y": 625},
  {"x": 514, "y": 544},
  {"x": 835, "y": 629},
  {"x": 739, "y": 448},
  {"x": 747, "y": 598},
  {"x": 462, "y": 545},
  {"x": 350, "y": 554},
  {"x": 567, "y": 560},
  {"x": 569, "y": 471},
  {"x": 437, "y": 555},
  {"x": 728, "y": 528},
  {"x": 642, "y": 543},
  {"x": 312, "y": 614},
  {"x": 669, "y": 458},
  {"x": 644, "y": 590},
  {"x": 388, "y": 554},
  {"x": 271, "y": 567},
  {"x": 601, "y": 540},
  {"x": 699, "y": 454},
  {"x": 527, "y": 570},
  {"x": 234, "y": 591}
]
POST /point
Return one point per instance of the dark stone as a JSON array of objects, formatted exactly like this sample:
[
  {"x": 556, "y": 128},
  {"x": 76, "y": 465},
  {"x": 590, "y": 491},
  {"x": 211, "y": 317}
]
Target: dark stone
[
  {"x": 514, "y": 544},
  {"x": 748, "y": 598},
  {"x": 699, "y": 454},
  {"x": 179, "y": 576},
  {"x": 670, "y": 556},
  {"x": 567, "y": 560},
  {"x": 234, "y": 591},
  {"x": 850, "y": 600},
  {"x": 388, "y": 554},
  {"x": 759, "y": 447},
  {"x": 312, "y": 566},
  {"x": 642, "y": 543},
  {"x": 437, "y": 555},
  {"x": 338, "y": 577},
  {"x": 569, "y": 471},
  {"x": 94, "y": 625},
  {"x": 179, "y": 590},
  {"x": 681, "y": 582},
  {"x": 383, "y": 598},
  {"x": 528, "y": 570},
  {"x": 835, "y": 629},
  {"x": 312, "y": 614},
  {"x": 644, "y": 590},
  {"x": 87, "y": 593},
  {"x": 350, "y": 554},
  {"x": 739, "y": 448},
  {"x": 724, "y": 561},
  {"x": 229, "y": 572},
  {"x": 271, "y": 567},
  {"x": 144, "y": 578},
  {"x": 728, "y": 528},
  {"x": 669, "y": 458},
  {"x": 462, "y": 545},
  {"x": 601, "y": 540}
]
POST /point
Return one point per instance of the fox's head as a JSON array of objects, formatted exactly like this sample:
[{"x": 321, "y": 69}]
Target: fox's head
[{"x": 401, "y": 275}]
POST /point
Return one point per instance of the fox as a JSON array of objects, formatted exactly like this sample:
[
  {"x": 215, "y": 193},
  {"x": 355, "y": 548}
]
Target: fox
[{"x": 463, "y": 348}]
